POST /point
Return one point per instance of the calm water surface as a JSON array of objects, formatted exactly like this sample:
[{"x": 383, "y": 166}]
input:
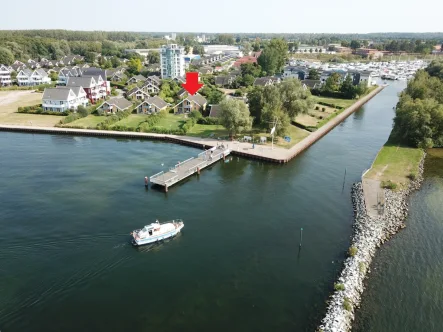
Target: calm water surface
[
  {"x": 67, "y": 205},
  {"x": 405, "y": 290}
]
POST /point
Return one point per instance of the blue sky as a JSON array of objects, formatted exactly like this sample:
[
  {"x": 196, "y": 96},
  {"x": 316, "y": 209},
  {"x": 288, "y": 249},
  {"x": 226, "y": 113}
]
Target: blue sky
[{"x": 284, "y": 16}]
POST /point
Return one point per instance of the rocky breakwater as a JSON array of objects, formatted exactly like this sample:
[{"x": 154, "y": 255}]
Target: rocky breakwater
[{"x": 369, "y": 234}]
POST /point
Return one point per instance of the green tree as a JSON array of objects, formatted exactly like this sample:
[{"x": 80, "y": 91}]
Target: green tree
[
  {"x": 115, "y": 62},
  {"x": 314, "y": 74},
  {"x": 187, "y": 49},
  {"x": 355, "y": 44},
  {"x": 274, "y": 56},
  {"x": 134, "y": 66},
  {"x": 248, "y": 80},
  {"x": 347, "y": 88},
  {"x": 54, "y": 76},
  {"x": 90, "y": 57},
  {"x": 255, "y": 100},
  {"x": 295, "y": 99},
  {"x": 332, "y": 83},
  {"x": 250, "y": 69},
  {"x": 235, "y": 116},
  {"x": 154, "y": 57},
  {"x": 6, "y": 56}
]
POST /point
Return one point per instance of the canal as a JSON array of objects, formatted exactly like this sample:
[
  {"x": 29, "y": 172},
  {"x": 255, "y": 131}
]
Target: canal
[{"x": 68, "y": 204}]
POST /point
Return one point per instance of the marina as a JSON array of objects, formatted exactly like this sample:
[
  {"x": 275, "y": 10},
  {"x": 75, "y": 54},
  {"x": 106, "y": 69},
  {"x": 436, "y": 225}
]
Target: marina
[{"x": 185, "y": 169}]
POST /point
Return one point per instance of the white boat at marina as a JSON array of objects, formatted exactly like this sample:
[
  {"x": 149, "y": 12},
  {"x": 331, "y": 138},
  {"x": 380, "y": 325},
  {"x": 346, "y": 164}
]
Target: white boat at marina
[{"x": 156, "y": 232}]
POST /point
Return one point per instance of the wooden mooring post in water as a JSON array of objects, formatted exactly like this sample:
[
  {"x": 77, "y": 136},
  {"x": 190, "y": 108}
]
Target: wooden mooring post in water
[{"x": 301, "y": 236}]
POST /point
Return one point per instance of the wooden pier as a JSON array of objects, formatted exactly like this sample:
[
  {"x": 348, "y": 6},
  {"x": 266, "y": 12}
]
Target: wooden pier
[{"x": 184, "y": 169}]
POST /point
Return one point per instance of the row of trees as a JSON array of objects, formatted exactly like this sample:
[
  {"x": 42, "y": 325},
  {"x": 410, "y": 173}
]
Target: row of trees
[
  {"x": 419, "y": 114},
  {"x": 339, "y": 87},
  {"x": 282, "y": 102}
]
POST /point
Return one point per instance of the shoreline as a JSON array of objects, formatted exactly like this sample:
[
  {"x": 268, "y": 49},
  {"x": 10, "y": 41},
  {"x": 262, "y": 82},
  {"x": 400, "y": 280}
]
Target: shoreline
[
  {"x": 277, "y": 155},
  {"x": 370, "y": 232}
]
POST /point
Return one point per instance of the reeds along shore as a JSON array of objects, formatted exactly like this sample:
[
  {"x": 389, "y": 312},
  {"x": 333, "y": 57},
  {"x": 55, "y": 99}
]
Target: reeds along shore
[{"x": 369, "y": 234}]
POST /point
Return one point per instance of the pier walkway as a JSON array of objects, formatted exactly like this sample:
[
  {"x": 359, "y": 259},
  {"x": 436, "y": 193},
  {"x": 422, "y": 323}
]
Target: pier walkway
[{"x": 184, "y": 169}]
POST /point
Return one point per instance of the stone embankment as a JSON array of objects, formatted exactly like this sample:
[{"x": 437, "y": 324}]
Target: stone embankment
[{"x": 369, "y": 234}]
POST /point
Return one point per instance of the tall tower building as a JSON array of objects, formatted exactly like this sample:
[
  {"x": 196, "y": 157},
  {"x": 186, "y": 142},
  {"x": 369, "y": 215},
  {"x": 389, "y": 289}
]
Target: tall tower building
[{"x": 172, "y": 61}]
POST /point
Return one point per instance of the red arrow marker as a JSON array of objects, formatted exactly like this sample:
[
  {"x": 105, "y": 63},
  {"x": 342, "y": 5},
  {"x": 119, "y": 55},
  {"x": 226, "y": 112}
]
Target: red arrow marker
[{"x": 192, "y": 85}]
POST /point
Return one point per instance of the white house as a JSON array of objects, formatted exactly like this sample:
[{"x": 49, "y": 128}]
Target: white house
[
  {"x": 24, "y": 77},
  {"x": 40, "y": 76},
  {"x": 62, "y": 99},
  {"x": 36, "y": 77},
  {"x": 5, "y": 76}
]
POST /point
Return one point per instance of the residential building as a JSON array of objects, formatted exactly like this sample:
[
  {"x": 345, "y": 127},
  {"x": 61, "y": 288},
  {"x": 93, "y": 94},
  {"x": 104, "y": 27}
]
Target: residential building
[
  {"x": 136, "y": 94},
  {"x": 5, "y": 76},
  {"x": 245, "y": 59},
  {"x": 152, "y": 105},
  {"x": 136, "y": 79},
  {"x": 214, "y": 111},
  {"x": 172, "y": 61},
  {"x": 63, "y": 99},
  {"x": 191, "y": 103},
  {"x": 71, "y": 59},
  {"x": 94, "y": 90},
  {"x": 361, "y": 77},
  {"x": 266, "y": 81},
  {"x": 28, "y": 77},
  {"x": 114, "y": 105},
  {"x": 295, "y": 72},
  {"x": 155, "y": 80},
  {"x": 311, "y": 84},
  {"x": 224, "y": 80},
  {"x": 150, "y": 88}
]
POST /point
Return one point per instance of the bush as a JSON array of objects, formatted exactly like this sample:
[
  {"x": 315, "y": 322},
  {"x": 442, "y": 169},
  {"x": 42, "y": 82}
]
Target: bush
[
  {"x": 110, "y": 120},
  {"x": 195, "y": 115},
  {"x": 82, "y": 111},
  {"x": 389, "y": 185},
  {"x": 323, "y": 109},
  {"x": 118, "y": 85},
  {"x": 70, "y": 118},
  {"x": 339, "y": 287},
  {"x": 208, "y": 121},
  {"x": 317, "y": 108},
  {"x": 362, "y": 267},
  {"x": 347, "y": 305},
  {"x": 353, "y": 251},
  {"x": 412, "y": 176}
]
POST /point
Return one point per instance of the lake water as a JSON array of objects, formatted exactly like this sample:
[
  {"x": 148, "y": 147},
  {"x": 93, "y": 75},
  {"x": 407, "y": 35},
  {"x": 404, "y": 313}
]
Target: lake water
[
  {"x": 405, "y": 289},
  {"x": 68, "y": 204}
]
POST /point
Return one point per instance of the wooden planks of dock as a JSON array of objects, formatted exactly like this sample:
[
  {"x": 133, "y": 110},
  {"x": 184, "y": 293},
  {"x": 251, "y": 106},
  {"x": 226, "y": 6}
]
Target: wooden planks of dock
[{"x": 184, "y": 169}]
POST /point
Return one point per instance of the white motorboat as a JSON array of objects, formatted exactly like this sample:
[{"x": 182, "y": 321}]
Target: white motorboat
[{"x": 156, "y": 232}]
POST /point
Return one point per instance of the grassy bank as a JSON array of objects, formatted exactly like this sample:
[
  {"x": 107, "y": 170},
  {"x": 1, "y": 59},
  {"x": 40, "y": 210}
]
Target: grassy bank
[{"x": 395, "y": 164}]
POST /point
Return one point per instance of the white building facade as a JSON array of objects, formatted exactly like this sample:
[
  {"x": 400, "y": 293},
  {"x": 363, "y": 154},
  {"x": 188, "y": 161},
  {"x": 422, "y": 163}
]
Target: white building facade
[
  {"x": 172, "y": 61},
  {"x": 63, "y": 99},
  {"x": 5, "y": 76}
]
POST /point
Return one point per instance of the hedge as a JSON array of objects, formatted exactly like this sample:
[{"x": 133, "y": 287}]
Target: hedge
[
  {"x": 38, "y": 109},
  {"x": 208, "y": 121},
  {"x": 331, "y": 105},
  {"x": 110, "y": 120}
]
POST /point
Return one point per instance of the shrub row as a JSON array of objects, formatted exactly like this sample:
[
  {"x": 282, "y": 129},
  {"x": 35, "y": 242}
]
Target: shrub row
[
  {"x": 111, "y": 119},
  {"x": 330, "y": 105}
]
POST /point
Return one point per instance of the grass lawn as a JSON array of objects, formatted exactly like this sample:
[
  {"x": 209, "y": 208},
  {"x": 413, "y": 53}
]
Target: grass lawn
[
  {"x": 317, "y": 118},
  {"x": 132, "y": 120},
  {"x": 10, "y": 101},
  {"x": 171, "y": 121},
  {"x": 336, "y": 101},
  {"x": 200, "y": 130},
  {"x": 91, "y": 121},
  {"x": 296, "y": 134},
  {"x": 395, "y": 163}
]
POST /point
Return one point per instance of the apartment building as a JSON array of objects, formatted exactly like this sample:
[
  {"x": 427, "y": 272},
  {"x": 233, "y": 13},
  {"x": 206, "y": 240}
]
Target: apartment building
[{"x": 172, "y": 61}]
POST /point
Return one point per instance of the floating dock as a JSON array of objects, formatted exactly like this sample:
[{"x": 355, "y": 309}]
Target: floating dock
[{"x": 185, "y": 169}]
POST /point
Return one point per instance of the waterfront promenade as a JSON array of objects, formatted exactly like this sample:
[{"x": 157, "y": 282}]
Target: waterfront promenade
[{"x": 265, "y": 153}]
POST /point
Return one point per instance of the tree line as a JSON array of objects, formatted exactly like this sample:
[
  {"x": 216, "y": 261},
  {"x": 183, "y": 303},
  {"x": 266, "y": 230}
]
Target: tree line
[{"x": 419, "y": 113}]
